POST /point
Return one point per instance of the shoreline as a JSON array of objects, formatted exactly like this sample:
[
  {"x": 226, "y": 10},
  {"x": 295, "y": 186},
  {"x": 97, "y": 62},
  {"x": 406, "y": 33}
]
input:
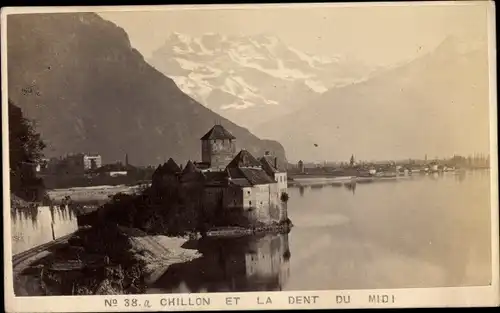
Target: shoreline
[
  {"x": 91, "y": 269},
  {"x": 315, "y": 181},
  {"x": 230, "y": 231},
  {"x": 127, "y": 262}
]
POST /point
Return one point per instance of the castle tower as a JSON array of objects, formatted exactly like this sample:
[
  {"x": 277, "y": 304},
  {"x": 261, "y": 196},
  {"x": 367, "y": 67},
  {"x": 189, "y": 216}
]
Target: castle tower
[
  {"x": 218, "y": 147},
  {"x": 301, "y": 166}
]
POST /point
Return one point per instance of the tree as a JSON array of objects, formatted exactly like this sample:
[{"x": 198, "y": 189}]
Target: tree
[{"x": 25, "y": 148}]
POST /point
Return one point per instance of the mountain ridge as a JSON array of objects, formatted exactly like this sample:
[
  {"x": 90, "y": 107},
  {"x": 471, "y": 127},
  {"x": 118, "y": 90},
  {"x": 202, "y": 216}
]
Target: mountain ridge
[
  {"x": 235, "y": 74},
  {"x": 89, "y": 90},
  {"x": 447, "y": 89}
]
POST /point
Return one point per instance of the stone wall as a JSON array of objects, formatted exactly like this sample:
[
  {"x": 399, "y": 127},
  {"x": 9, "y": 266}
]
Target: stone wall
[
  {"x": 275, "y": 214},
  {"x": 281, "y": 179},
  {"x": 218, "y": 152},
  {"x": 260, "y": 203},
  {"x": 32, "y": 227}
]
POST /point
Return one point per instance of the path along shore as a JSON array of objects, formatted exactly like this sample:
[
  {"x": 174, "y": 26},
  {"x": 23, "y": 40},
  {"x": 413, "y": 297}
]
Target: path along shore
[{"x": 82, "y": 264}]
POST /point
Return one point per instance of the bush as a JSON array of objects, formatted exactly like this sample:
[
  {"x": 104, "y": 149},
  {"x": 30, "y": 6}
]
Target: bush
[
  {"x": 284, "y": 197},
  {"x": 25, "y": 152}
]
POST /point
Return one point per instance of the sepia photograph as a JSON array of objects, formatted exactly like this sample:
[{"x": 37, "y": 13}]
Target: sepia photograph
[{"x": 198, "y": 150}]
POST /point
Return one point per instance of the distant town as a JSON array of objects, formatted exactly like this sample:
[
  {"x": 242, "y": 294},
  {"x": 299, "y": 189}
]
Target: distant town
[{"x": 87, "y": 169}]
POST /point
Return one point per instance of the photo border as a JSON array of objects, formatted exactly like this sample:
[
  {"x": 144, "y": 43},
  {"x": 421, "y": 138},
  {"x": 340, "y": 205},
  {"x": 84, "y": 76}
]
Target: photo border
[{"x": 327, "y": 299}]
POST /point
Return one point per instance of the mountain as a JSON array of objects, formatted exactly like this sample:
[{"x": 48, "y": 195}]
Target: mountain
[
  {"x": 241, "y": 76},
  {"x": 88, "y": 90},
  {"x": 436, "y": 104}
]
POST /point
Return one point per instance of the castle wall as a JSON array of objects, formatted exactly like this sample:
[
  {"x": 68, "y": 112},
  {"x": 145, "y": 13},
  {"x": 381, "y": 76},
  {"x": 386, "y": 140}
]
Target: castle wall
[
  {"x": 233, "y": 197},
  {"x": 256, "y": 202},
  {"x": 218, "y": 152},
  {"x": 281, "y": 179},
  {"x": 214, "y": 197},
  {"x": 260, "y": 203},
  {"x": 206, "y": 151},
  {"x": 275, "y": 205}
]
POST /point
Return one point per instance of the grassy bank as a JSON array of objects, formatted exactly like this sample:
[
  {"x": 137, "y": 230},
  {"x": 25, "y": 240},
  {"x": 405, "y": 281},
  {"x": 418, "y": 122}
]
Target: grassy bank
[{"x": 92, "y": 193}]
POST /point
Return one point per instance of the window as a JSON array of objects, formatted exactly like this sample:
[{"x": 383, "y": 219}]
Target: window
[
  {"x": 249, "y": 202},
  {"x": 248, "y": 192}
]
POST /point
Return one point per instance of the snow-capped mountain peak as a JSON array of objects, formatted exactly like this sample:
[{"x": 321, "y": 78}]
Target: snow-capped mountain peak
[{"x": 232, "y": 74}]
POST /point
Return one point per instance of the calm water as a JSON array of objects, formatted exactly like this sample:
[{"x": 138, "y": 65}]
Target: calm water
[{"x": 426, "y": 231}]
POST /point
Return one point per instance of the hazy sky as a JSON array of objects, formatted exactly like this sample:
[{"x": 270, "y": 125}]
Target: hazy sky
[{"x": 378, "y": 35}]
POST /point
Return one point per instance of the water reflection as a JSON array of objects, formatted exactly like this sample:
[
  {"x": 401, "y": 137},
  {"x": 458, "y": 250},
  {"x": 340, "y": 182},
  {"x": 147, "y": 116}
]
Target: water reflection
[
  {"x": 420, "y": 231},
  {"x": 351, "y": 186},
  {"x": 460, "y": 176},
  {"x": 301, "y": 191},
  {"x": 258, "y": 263}
]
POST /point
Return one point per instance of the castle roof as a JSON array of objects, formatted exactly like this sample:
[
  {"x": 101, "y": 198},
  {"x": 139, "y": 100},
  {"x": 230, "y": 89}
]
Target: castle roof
[
  {"x": 202, "y": 165},
  {"x": 217, "y": 132},
  {"x": 246, "y": 177},
  {"x": 170, "y": 166},
  {"x": 244, "y": 159},
  {"x": 216, "y": 178},
  {"x": 268, "y": 167},
  {"x": 190, "y": 168}
]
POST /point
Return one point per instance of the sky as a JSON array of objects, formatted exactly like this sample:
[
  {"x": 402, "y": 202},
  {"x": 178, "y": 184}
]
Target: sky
[{"x": 378, "y": 35}]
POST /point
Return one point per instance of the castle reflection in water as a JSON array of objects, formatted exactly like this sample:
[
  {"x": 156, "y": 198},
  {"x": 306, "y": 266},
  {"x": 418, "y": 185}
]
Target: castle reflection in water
[{"x": 253, "y": 263}]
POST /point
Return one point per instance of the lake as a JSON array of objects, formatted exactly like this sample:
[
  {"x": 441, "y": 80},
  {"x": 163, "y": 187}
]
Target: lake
[{"x": 423, "y": 231}]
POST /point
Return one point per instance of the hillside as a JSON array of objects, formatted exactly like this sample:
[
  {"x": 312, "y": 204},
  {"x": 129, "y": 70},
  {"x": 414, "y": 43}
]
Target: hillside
[
  {"x": 88, "y": 90},
  {"x": 437, "y": 105},
  {"x": 240, "y": 76}
]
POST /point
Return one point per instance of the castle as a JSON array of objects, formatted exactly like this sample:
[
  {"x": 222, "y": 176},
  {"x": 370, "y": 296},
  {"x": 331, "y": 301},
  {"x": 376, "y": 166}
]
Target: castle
[{"x": 239, "y": 184}]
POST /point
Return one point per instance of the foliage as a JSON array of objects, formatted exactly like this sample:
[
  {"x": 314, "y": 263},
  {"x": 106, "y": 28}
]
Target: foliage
[
  {"x": 164, "y": 208},
  {"x": 284, "y": 197},
  {"x": 170, "y": 206},
  {"x": 25, "y": 147}
]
